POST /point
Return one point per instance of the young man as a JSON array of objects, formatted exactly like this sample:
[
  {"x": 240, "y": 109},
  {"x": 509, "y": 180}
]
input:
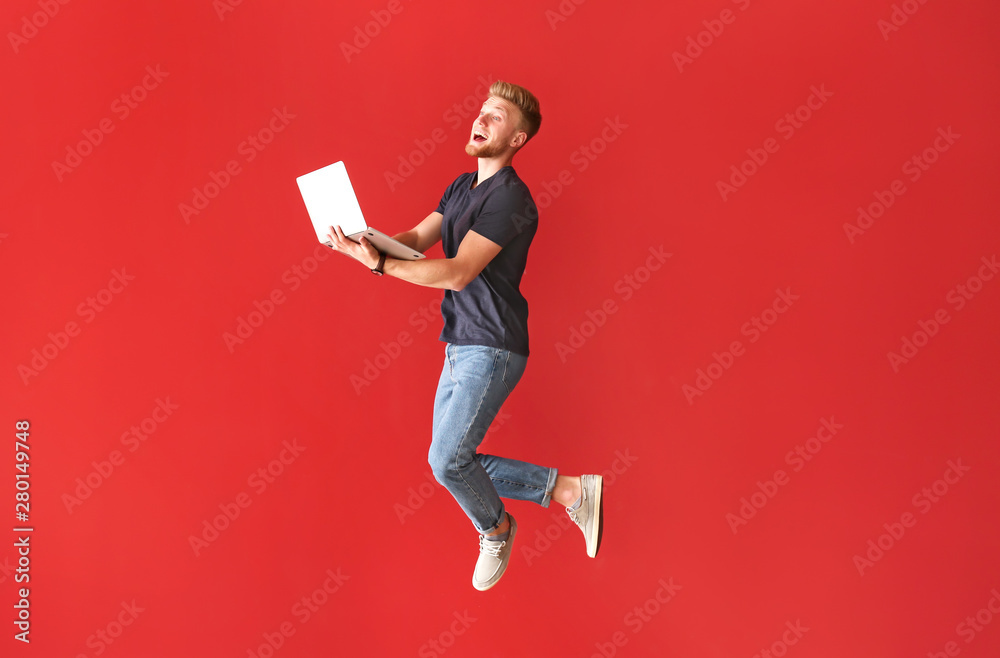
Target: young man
[{"x": 486, "y": 220}]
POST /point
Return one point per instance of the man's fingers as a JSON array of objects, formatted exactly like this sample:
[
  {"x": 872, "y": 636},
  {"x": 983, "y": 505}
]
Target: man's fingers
[
  {"x": 337, "y": 238},
  {"x": 341, "y": 243}
]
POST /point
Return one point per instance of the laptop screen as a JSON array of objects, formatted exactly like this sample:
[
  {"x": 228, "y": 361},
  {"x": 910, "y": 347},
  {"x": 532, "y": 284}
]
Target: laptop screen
[{"x": 330, "y": 200}]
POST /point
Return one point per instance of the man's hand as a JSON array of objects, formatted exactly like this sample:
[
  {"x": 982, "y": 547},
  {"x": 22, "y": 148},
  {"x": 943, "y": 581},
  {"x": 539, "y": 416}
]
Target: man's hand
[
  {"x": 364, "y": 252},
  {"x": 474, "y": 253}
]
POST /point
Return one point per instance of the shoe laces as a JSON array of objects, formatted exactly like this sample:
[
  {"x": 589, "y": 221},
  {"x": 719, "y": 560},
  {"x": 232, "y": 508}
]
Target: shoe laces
[
  {"x": 573, "y": 512},
  {"x": 490, "y": 547}
]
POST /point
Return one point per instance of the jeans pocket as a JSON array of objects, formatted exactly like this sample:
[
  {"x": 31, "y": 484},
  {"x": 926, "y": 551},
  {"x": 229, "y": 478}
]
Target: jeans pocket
[{"x": 513, "y": 367}]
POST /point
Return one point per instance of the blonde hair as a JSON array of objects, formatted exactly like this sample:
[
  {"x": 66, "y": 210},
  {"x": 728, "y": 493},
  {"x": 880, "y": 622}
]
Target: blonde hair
[{"x": 524, "y": 100}]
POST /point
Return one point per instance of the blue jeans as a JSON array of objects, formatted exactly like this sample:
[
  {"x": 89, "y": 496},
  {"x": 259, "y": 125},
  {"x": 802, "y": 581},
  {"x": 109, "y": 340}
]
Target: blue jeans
[{"x": 474, "y": 383}]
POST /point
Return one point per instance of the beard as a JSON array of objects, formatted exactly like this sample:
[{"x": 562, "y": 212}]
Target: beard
[{"x": 484, "y": 150}]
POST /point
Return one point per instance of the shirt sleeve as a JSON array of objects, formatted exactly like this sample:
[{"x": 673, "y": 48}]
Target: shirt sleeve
[
  {"x": 507, "y": 213},
  {"x": 444, "y": 198}
]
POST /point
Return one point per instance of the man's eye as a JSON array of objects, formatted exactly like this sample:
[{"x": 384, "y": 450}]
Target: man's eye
[{"x": 496, "y": 118}]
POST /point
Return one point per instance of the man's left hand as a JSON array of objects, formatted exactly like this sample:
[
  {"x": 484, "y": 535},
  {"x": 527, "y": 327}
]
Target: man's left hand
[{"x": 364, "y": 252}]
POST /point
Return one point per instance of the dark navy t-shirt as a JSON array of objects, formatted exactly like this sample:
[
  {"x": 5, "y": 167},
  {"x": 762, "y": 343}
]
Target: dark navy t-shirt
[{"x": 490, "y": 310}]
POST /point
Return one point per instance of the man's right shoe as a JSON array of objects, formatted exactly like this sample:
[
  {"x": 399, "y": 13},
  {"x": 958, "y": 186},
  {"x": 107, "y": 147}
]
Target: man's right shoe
[
  {"x": 493, "y": 558},
  {"x": 589, "y": 516}
]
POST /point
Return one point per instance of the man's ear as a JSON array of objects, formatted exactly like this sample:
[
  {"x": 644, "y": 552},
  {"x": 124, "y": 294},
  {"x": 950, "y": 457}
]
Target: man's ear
[{"x": 520, "y": 138}]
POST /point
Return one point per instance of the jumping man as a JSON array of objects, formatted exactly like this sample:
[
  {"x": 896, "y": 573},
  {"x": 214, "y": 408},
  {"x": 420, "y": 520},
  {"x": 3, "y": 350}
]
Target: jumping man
[{"x": 486, "y": 221}]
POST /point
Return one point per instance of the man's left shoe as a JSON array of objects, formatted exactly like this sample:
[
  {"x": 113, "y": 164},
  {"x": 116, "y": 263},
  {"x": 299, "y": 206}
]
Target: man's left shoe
[
  {"x": 493, "y": 558},
  {"x": 589, "y": 516}
]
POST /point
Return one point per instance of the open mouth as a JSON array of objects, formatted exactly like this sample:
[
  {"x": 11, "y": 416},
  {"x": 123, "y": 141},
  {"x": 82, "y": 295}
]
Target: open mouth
[{"x": 478, "y": 136}]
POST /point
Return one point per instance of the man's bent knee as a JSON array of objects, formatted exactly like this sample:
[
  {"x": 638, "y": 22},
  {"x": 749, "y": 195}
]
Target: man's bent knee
[
  {"x": 445, "y": 468},
  {"x": 441, "y": 467}
]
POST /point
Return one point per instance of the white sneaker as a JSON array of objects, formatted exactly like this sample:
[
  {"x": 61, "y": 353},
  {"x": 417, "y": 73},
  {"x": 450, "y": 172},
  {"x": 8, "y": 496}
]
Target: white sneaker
[
  {"x": 493, "y": 559},
  {"x": 589, "y": 516}
]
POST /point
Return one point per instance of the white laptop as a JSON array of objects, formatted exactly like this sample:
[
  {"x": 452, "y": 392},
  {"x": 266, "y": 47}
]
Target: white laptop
[{"x": 330, "y": 201}]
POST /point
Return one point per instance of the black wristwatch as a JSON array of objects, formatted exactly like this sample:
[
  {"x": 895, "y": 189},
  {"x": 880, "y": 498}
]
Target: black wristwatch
[{"x": 378, "y": 268}]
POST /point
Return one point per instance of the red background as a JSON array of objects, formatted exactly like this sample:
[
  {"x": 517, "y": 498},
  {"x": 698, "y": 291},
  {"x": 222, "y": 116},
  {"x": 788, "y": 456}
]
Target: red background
[{"x": 337, "y": 505}]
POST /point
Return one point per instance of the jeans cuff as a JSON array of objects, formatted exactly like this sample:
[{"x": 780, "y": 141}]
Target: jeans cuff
[
  {"x": 549, "y": 486},
  {"x": 503, "y": 516}
]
